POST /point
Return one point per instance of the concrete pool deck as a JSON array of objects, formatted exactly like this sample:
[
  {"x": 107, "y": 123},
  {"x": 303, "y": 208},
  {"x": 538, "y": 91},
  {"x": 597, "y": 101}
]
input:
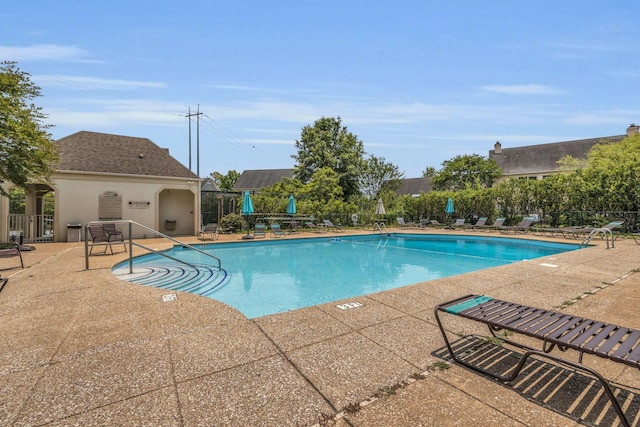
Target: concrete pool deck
[{"x": 81, "y": 347}]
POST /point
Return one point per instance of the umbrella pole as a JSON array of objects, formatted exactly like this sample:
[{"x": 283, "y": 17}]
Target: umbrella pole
[{"x": 247, "y": 237}]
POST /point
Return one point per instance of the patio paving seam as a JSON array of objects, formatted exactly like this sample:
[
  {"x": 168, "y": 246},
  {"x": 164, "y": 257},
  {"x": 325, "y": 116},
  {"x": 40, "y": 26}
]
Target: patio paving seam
[{"x": 282, "y": 354}]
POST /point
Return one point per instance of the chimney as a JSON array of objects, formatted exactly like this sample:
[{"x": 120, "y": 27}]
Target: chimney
[
  {"x": 632, "y": 129},
  {"x": 497, "y": 148}
]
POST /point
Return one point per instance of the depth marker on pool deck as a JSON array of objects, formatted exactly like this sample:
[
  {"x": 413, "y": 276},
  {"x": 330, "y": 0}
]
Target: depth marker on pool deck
[{"x": 349, "y": 305}]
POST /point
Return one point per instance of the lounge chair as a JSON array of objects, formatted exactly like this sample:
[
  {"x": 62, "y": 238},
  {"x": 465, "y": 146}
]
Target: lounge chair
[
  {"x": 523, "y": 227},
  {"x": 209, "y": 231},
  {"x": 499, "y": 222},
  {"x": 99, "y": 237},
  {"x": 403, "y": 224},
  {"x": 276, "y": 230},
  {"x": 331, "y": 226},
  {"x": 552, "y": 328},
  {"x": 584, "y": 231},
  {"x": 312, "y": 226},
  {"x": 9, "y": 250},
  {"x": 436, "y": 223},
  {"x": 479, "y": 223},
  {"x": 260, "y": 230},
  {"x": 460, "y": 222}
]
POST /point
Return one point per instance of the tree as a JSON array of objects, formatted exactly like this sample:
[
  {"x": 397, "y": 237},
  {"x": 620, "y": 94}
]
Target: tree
[
  {"x": 225, "y": 182},
  {"x": 429, "y": 172},
  {"x": 27, "y": 151},
  {"x": 378, "y": 173},
  {"x": 329, "y": 144},
  {"x": 466, "y": 171}
]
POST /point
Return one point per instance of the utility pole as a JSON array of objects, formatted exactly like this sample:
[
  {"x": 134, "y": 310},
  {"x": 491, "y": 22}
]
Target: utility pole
[{"x": 197, "y": 114}]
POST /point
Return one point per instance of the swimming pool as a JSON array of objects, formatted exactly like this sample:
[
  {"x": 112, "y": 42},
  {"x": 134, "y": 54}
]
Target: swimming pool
[{"x": 273, "y": 276}]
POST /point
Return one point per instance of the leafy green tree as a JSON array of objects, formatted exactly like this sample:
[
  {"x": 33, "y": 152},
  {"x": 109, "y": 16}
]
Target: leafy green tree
[
  {"x": 611, "y": 179},
  {"x": 27, "y": 151},
  {"x": 429, "y": 172},
  {"x": 466, "y": 171},
  {"x": 328, "y": 144},
  {"x": 225, "y": 182},
  {"x": 378, "y": 173}
]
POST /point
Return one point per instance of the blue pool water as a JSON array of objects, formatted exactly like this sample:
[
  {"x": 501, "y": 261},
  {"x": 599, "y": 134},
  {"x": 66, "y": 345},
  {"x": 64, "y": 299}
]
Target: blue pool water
[{"x": 268, "y": 277}]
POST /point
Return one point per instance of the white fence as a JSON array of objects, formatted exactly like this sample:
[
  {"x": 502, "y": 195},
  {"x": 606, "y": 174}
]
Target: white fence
[{"x": 32, "y": 228}]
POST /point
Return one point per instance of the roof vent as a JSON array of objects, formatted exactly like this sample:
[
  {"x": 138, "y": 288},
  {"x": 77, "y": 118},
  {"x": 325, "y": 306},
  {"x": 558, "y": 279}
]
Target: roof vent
[
  {"x": 632, "y": 129},
  {"x": 141, "y": 156}
]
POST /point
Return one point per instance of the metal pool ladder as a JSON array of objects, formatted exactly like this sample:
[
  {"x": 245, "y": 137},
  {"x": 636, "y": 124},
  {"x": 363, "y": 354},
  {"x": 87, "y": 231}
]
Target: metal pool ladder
[
  {"x": 605, "y": 233},
  {"x": 132, "y": 243}
]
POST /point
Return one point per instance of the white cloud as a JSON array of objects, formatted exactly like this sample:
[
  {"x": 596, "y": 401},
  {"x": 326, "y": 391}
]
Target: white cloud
[
  {"x": 96, "y": 83},
  {"x": 42, "y": 52},
  {"x": 528, "y": 89}
]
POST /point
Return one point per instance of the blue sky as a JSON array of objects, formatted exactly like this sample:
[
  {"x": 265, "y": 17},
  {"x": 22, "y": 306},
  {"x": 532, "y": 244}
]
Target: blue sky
[{"x": 419, "y": 82}]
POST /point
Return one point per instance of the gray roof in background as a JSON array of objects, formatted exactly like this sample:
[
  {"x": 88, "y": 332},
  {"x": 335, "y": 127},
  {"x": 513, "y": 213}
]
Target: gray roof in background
[
  {"x": 544, "y": 157},
  {"x": 415, "y": 186},
  {"x": 260, "y": 178},
  {"x": 115, "y": 154}
]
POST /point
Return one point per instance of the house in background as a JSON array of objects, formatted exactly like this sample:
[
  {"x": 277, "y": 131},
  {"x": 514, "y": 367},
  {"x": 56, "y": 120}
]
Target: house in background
[
  {"x": 109, "y": 177},
  {"x": 414, "y": 186},
  {"x": 540, "y": 161},
  {"x": 255, "y": 180}
]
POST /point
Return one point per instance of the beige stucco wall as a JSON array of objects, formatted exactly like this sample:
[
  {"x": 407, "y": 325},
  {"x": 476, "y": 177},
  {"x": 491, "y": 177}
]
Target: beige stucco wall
[{"x": 150, "y": 201}]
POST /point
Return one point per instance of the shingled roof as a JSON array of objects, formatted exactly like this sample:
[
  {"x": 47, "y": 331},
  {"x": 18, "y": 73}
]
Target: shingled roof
[
  {"x": 253, "y": 180},
  {"x": 543, "y": 158},
  {"x": 414, "y": 186},
  {"x": 116, "y": 154}
]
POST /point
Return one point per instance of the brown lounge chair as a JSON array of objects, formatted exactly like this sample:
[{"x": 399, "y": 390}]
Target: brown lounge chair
[{"x": 553, "y": 329}]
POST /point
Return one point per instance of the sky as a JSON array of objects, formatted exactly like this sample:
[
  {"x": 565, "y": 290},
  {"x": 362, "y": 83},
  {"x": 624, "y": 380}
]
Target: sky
[{"x": 418, "y": 82}]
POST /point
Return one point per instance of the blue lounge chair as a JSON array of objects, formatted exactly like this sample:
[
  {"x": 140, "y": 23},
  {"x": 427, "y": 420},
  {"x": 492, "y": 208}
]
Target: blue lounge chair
[
  {"x": 276, "y": 230},
  {"x": 260, "y": 230}
]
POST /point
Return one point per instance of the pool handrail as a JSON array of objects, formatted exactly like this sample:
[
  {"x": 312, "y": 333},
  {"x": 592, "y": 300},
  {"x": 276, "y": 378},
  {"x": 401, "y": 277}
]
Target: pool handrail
[{"x": 132, "y": 243}]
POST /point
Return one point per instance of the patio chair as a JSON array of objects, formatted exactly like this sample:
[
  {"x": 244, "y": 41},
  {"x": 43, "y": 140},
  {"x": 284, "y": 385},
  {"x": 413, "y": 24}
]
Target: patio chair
[
  {"x": 551, "y": 329},
  {"x": 403, "y": 224},
  {"x": 522, "y": 227},
  {"x": 100, "y": 237},
  {"x": 3, "y": 281},
  {"x": 209, "y": 231},
  {"x": 499, "y": 222},
  {"x": 331, "y": 226},
  {"x": 9, "y": 250},
  {"x": 460, "y": 222},
  {"x": 584, "y": 231},
  {"x": 114, "y": 234},
  {"x": 276, "y": 230},
  {"x": 260, "y": 230},
  {"x": 312, "y": 226},
  {"x": 479, "y": 223}
]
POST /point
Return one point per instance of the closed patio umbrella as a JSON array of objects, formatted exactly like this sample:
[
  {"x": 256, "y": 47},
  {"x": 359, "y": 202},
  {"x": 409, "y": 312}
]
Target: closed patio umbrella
[
  {"x": 291, "y": 207},
  {"x": 380, "y": 208},
  {"x": 450, "y": 208},
  {"x": 247, "y": 209}
]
